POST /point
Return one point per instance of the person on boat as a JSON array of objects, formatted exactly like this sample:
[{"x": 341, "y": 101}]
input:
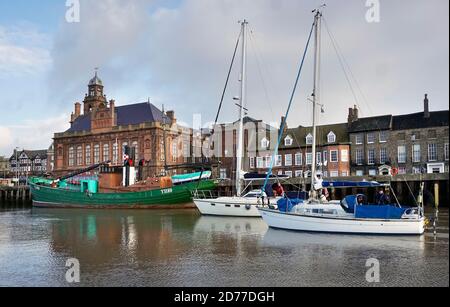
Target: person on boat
[
  {"x": 278, "y": 190},
  {"x": 382, "y": 198},
  {"x": 360, "y": 200}
]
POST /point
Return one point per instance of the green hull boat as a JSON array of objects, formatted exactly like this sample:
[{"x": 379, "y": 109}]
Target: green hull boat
[{"x": 178, "y": 196}]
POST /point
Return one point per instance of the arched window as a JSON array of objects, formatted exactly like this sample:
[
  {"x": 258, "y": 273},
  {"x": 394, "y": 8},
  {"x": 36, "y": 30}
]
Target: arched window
[
  {"x": 115, "y": 158},
  {"x": 106, "y": 152},
  {"x": 71, "y": 156},
  {"x": 136, "y": 150},
  {"x": 96, "y": 154},
  {"x": 79, "y": 155},
  {"x": 88, "y": 155}
]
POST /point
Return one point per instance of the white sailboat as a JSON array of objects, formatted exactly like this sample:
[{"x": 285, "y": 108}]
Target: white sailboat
[
  {"x": 239, "y": 205},
  {"x": 348, "y": 215}
]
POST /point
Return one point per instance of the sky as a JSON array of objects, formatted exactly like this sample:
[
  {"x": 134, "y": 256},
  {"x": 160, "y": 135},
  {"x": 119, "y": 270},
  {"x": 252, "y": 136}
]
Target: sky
[{"x": 177, "y": 52}]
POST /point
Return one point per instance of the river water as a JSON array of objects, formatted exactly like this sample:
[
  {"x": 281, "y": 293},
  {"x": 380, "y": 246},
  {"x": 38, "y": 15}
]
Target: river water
[{"x": 182, "y": 248}]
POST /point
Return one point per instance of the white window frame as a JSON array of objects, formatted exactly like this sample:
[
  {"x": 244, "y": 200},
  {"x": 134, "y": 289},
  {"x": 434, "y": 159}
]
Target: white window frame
[
  {"x": 432, "y": 154},
  {"x": 260, "y": 162},
  {"x": 383, "y": 155},
  {"x": 309, "y": 158},
  {"x": 289, "y": 174},
  {"x": 416, "y": 153},
  {"x": 288, "y": 160},
  {"x": 334, "y": 174},
  {"x": 369, "y": 135},
  {"x": 383, "y": 136},
  {"x": 265, "y": 143},
  {"x": 279, "y": 161},
  {"x": 344, "y": 155},
  {"x": 337, "y": 156},
  {"x": 359, "y": 139},
  {"x": 331, "y": 137},
  {"x": 252, "y": 162},
  {"x": 309, "y": 139},
  {"x": 288, "y": 141},
  {"x": 268, "y": 161},
  {"x": 299, "y": 174},
  {"x": 371, "y": 160},
  {"x": 298, "y": 159},
  {"x": 401, "y": 154}
]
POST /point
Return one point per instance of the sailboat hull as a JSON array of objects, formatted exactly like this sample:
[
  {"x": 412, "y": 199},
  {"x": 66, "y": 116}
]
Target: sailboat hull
[
  {"x": 309, "y": 223},
  {"x": 228, "y": 206}
]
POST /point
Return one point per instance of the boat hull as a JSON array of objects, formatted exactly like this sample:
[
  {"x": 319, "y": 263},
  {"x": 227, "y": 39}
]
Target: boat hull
[
  {"x": 308, "y": 223},
  {"x": 228, "y": 206},
  {"x": 176, "y": 197}
]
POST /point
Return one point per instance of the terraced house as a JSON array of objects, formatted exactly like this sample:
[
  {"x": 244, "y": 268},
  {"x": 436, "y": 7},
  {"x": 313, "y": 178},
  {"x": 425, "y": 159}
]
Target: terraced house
[
  {"x": 295, "y": 153},
  {"x": 411, "y": 144},
  {"x": 28, "y": 162}
]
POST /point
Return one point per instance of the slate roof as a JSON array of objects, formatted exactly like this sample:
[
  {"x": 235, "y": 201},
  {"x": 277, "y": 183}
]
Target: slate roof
[
  {"x": 418, "y": 121},
  {"x": 31, "y": 154},
  {"x": 299, "y": 135},
  {"x": 371, "y": 124},
  {"x": 133, "y": 114}
]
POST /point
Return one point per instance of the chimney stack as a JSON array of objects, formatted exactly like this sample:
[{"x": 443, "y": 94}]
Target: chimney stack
[
  {"x": 283, "y": 121},
  {"x": 353, "y": 114},
  {"x": 426, "y": 103},
  {"x": 171, "y": 116},
  {"x": 77, "y": 109}
]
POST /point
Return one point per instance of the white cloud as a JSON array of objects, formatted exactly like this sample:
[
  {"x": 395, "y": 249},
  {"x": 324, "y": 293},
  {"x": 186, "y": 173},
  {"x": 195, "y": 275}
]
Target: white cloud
[
  {"x": 31, "y": 134},
  {"x": 23, "y": 51}
]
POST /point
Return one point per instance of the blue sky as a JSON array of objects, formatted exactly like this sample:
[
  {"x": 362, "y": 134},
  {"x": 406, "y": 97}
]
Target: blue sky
[{"x": 176, "y": 52}]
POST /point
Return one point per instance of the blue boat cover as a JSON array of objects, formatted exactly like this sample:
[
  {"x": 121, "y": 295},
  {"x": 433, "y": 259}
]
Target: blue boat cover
[
  {"x": 350, "y": 184},
  {"x": 286, "y": 204},
  {"x": 389, "y": 212}
]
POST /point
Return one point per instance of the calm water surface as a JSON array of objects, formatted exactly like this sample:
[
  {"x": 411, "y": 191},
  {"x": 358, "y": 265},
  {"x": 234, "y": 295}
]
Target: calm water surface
[{"x": 182, "y": 248}]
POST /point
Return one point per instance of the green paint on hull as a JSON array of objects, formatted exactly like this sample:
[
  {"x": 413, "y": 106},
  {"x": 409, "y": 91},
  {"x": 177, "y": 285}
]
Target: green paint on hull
[{"x": 177, "y": 196}]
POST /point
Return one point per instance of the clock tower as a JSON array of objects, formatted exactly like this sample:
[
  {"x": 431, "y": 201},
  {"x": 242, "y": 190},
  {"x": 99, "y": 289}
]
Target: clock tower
[{"x": 95, "y": 97}]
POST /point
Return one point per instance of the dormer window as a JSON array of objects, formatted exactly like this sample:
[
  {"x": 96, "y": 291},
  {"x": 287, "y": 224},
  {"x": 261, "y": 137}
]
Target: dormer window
[
  {"x": 309, "y": 139},
  {"x": 265, "y": 143},
  {"x": 331, "y": 137},
  {"x": 288, "y": 141}
]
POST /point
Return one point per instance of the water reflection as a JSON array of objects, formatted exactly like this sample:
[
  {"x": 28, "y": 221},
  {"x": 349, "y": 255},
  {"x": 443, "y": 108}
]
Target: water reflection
[{"x": 182, "y": 248}]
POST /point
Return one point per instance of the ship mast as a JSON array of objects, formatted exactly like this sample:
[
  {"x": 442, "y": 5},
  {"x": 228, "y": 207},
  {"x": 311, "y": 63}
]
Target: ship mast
[
  {"x": 315, "y": 97},
  {"x": 242, "y": 105}
]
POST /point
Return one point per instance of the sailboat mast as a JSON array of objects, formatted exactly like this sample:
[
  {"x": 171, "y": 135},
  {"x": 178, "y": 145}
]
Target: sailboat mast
[
  {"x": 315, "y": 97},
  {"x": 242, "y": 105}
]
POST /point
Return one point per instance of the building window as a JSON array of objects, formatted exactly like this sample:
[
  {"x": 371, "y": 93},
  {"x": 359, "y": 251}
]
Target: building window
[
  {"x": 325, "y": 157},
  {"x": 279, "y": 161},
  {"x": 309, "y": 139},
  {"x": 446, "y": 152},
  {"x": 96, "y": 154},
  {"x": 416, "y": 154},
  {"x": 298, "y": 159},
  {"x": 383, "y": 136},
  {"x": 319, "y": 158},
  {"x": 415, "y": 136},
  {"x": 289, "y": 174},
  {"x": 371, "y": 138},
  {"x": 331, "y": 137},
  {"x": 372, "y": 172},
  {"x": 71, "y": 156},
  {"x": 288, "y": 160},
  {"x": 344, "y": 155},
  {"x": 359, "y": 139},
  {"x": 432, "y": 152},
  {"x": 401, "y": 136},
  {"x": 264, "y": 143},
  {"x": 325, "y": 174},
  {"x": 334, "y": 156},
  {"x": 401, "y": 154},
  {"x": 223, "y": 173},
  {"x": 402, "y": 170},
  {"x": 344, "y": 174},
  {"x": 115, "y": 153},
  {"x": 136, "y": 151},
  {"x": 79, "y": 155},
  {"x": 383, "y": 155},
  {"x": 260, "y": 162},
  {"x": 174, "y": 152},
  {"x": 417, "y": 170},
  {"x": 371, "y": 157},
  {"x": 334, "y": 174},
  {"x": 299, "y": 174},
  {"x": 268, "y": 161},
  {"x": 88, "y": 155},
  {"x": 288, "y": 141},
  {"x": 106, "y": 152},
  {"x": 309, "y": 158},
  {"x": 359, "y": 173},
  {"x": 252, "y": 162}
]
